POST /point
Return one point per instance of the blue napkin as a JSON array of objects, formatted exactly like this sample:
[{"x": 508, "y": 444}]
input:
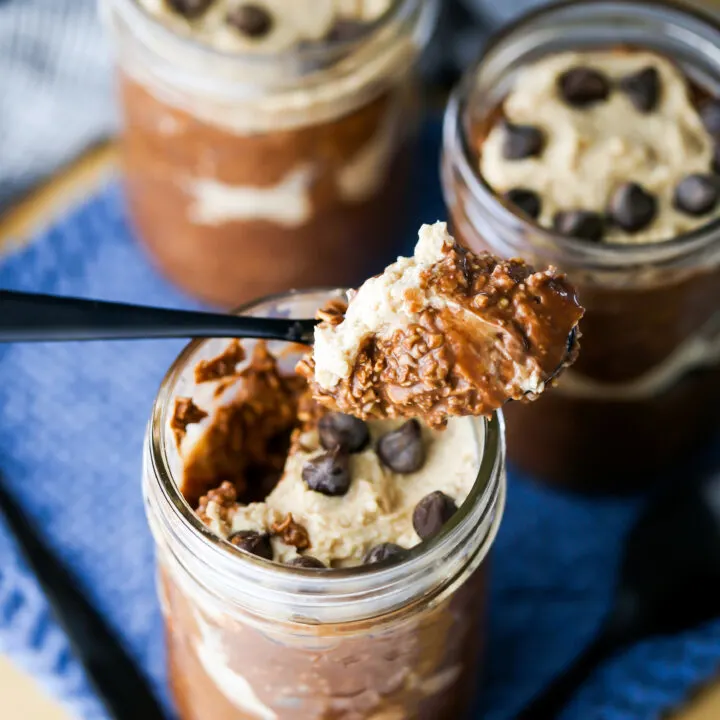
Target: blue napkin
[{"x": 72, "y": 418}]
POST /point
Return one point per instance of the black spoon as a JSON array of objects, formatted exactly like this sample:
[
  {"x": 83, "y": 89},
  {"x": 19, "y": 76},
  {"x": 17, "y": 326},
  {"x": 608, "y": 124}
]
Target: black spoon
[
  {"x": 30, "y": 317},
  {"x": 669, "y": 581},
  {"x": 110, "y": 670},
  {"x": 33, "y": 317}
]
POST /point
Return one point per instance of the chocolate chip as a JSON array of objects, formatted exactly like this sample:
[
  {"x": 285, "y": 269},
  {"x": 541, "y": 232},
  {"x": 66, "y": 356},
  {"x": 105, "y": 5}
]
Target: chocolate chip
[
  {"x": 402, "y": 450},
  {"x": 581, "y": 87},
  {"x": 252, "y": 542},
  {"x": 697, "y": 194},
  {"x": 251, "y": 20},
  {"x": 525, "y": 200},
  {"x": 328, "y": 473},
  {"x": 382, "y": 552},
  {"x": 716, "y": 159},
  {"x": 642, "y": 89},
  {"x": 522, "y": 141},
  {"x": 306, "y": 561},
  {"x": 710, "y": 115},
  {"x": 190, "y": 8},
  {"x": 632, "y": 208},
  {"x": 431, "y": 513},
  {"x": 345, "y": 431},
  {"x": 580, "y": 224}
]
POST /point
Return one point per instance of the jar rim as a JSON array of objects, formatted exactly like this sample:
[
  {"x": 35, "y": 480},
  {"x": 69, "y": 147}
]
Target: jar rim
[
  {"x": 346, "y": 584},
  {"x": 259, "y": 92},
  {"x": 399, "y": 12},
  {"x": 455, "y": 138}
]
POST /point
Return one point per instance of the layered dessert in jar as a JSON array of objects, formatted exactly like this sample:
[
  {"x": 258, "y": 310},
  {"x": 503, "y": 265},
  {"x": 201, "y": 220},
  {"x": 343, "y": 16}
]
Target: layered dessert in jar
[
  {"x": 317, "y": 564},
  {"x": 588, "y": 138},
  {"x": 266, "y": 145}
]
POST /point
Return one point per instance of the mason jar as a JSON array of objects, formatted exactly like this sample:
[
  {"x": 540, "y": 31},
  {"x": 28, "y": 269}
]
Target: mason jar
[
  {"x": 252, "y": 173},
  {"x": 645, "y": 390},
  {"x": 252, "y": 639}
]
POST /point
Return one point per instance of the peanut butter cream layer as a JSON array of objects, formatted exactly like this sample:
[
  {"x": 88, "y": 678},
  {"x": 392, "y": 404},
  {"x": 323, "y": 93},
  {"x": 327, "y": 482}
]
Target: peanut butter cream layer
[{"x": 606, "y": 146}]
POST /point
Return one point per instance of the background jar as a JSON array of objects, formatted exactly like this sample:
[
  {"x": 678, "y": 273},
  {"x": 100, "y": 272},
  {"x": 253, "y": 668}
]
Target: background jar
[
  {"x": 252, "y": 639},
  {"x": 248, "y": 174},
  {"x": 645, "y": 390}
]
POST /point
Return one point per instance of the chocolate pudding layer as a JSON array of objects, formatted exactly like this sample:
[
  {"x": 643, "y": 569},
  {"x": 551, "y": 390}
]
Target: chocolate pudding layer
[
  {"x": 602, "y": 160},
  {"x": 266, "y": 145},
  {"x": 422, "y": 664},
  {"x": 325, "y": 567}
]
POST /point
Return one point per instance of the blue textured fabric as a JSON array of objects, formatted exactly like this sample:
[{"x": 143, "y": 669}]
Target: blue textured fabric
[{"x": 71, "y": 424}]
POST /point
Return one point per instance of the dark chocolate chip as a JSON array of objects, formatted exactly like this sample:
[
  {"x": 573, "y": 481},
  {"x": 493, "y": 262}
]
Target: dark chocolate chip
[
  {"x": 642, "y": 89},
  {"x": 345, "y": 431},
  {"x": 632, "y": 208},
  {"x": 710, "y": 115},
  {"x": 382, "y": 552},
  {"x": 253, "y": 542},
  {"x": 431, "y": 513},
  {"x": 403, "y": 450},
  {"x": 522, "y": 141},
  {"x": 251, "y": 20},
  {"x": 581, "y": 87},
  {"x": 580, "y": 224},
  {"x": 190, "y": 8},
  {"x": 525, "y": 200},
  {"x": 716, "y": 159},
  {"x": 697, "y": 194},
  {"x": 328, "y": 473},
  {"x": 306, "y": 561}
]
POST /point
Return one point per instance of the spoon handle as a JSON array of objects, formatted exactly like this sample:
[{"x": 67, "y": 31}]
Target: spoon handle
[{"x": 30, "y": 317}]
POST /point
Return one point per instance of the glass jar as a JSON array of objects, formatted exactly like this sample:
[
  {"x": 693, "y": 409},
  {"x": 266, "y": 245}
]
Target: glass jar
[
  {"x": 252, "y": 174},
  {"x": 252, "y": 639},
  {"x": 645, "y": 390}
]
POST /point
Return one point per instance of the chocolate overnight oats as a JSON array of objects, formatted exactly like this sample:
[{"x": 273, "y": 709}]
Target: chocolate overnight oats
[
  {"x": 266, "y": 144},
  {"x": 313, "y": 565},
  {"x": 316, "y": 565},
  {"x": 445, "y": 333},
  {"x": 600, "y": 156}
]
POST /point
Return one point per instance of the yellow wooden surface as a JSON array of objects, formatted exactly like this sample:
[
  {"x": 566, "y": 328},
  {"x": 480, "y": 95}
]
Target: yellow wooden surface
[
  {"x": 38, "y": 209},
  {"x": 20, "y": 698}
]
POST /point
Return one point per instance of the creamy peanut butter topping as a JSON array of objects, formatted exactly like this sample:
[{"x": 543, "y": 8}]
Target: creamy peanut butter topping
[
  {"x": 377, "y": 508},
  {"x": 604, "y": 145},
  {"x": 284, "y": 479},
  {"x": 443, "y": 333},
  {"x": 264, "y": 26}
]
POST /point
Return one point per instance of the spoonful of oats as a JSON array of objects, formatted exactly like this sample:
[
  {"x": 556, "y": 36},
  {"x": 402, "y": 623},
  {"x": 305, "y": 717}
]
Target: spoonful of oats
[{"x": 444, "y": 333}]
